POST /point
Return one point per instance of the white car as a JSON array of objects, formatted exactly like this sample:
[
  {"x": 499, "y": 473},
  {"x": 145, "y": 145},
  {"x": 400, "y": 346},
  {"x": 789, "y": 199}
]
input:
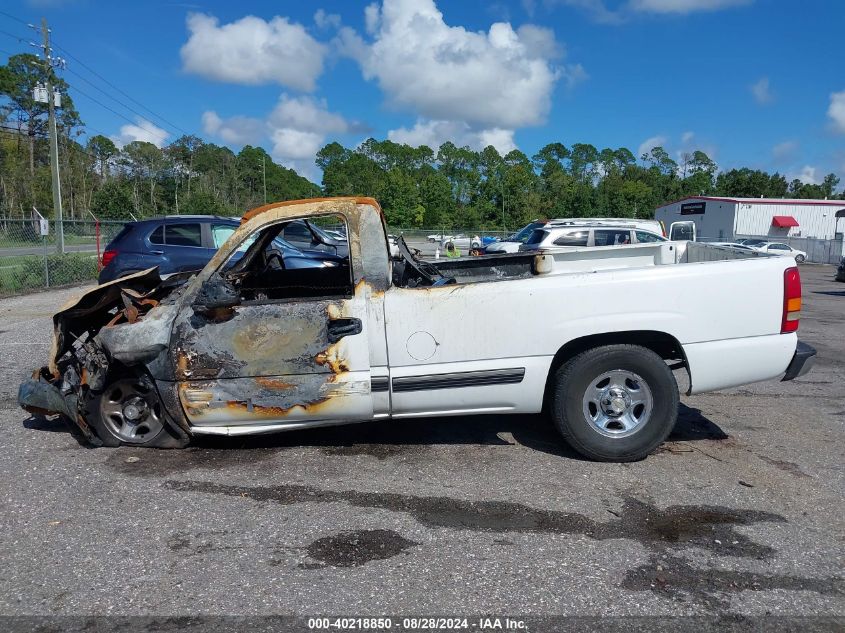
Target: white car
[
  {"x": 552, "y": 236},
  {"x": 732, "y": 245},
  {"x": 779, "y": 248},
  {"x": 462, "y": 241},
  {"x": 652, "y": 226},
  {"x": 512, "y": 243}
]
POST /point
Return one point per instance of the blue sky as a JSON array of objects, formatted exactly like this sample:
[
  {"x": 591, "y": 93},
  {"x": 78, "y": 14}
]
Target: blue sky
[{"x": 757, "y": 83}]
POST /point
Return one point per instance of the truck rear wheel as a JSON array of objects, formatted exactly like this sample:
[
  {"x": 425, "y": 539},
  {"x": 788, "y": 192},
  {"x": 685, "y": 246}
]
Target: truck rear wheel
[{"x": 615, "y": 403}]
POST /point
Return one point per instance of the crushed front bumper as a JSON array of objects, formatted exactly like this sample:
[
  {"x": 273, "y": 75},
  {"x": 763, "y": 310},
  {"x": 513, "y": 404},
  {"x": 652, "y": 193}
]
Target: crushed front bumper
[
  {"x": 41, "y": 397},
  {"x": 802, "y": 361}
]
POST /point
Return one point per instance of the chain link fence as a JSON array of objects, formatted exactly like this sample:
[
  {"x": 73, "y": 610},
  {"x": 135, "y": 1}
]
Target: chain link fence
[
  {"x": 30, "y": 260},
  {"x": 818, "y": 251}
]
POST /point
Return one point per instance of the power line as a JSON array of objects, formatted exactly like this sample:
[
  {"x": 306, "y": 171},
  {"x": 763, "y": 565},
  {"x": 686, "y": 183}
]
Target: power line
[
  {"x": 113, "y": 111},
  {"x": 16, "y": 129},
  {"x": 111, "y": 85},
  {"x": 172, "y": 126},
  {"x": 77, "y": 147},
  {"x": 106, "y": 93},
  {"x": 66, "y": 143},
  {"x": 14, "y": 37},
  {"x": 16, "y": 19}
]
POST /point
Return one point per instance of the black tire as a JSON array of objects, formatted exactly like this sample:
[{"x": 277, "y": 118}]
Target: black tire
[
  {"x": 574, "y": 378},
  {"x": 799, "y": 259},
  {"x": 153, "y": 429},
  {"x": 475, "y": 245}
]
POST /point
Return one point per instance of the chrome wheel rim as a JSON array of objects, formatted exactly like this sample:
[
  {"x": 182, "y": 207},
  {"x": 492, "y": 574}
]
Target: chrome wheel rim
[
  {"x": 618, "y": 403},
  {"x": 131, "y": 411}
]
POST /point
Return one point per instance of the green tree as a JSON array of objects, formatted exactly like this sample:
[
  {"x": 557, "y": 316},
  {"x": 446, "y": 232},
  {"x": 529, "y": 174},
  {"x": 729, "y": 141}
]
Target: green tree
[
  {"x": 202, "y": 203},
  {"x": 18, "y": 79},
  {"x": 103, "y": 150},
  {"x": 112, "y": 202}
]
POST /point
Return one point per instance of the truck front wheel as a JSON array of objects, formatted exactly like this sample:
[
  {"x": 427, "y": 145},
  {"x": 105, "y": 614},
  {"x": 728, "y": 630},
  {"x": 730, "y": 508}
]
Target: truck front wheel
[
  {"x": 129, "y": 412},
  {"x": 615, "y": 403}
]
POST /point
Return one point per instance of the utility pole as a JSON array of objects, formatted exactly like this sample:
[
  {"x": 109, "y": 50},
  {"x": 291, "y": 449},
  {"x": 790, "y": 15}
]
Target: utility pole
[
  {"x": 264, "y": 177},
  {"x": 54, "y": 140}
]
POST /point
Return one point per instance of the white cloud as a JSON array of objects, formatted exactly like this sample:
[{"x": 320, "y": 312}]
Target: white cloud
[
  {"x": 326, "y": 20},
  {"x": 500, "y": 78},
  {"x": 540, "y": 41},
  {"x": 650, "y": 143},
  {"x": 253, "y": 51},
  {"x": 296, "y": 128},
  {"x": 236, "y": 130},
  {"x": 684, "y": 6},
  {"x": 435, "y": 133},
  {"x": 372, "y": 18},
  {"x": 836, "y": 111},
  {"x": 141, "y": 130},
  {"x": 599, "y": 11},
  {"x": 686, "y": 137},
  {"x": 306, "y": 114},
  {"x": 785, "y": 150},
  {"x": 299, "y": 127},
  {"x": 807, "y": 175},
  {"x": 761, "y": 91}
]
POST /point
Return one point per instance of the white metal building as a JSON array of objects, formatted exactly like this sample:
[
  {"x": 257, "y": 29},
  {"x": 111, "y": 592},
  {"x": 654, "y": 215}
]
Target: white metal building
[{"x": 725, "y": 219}]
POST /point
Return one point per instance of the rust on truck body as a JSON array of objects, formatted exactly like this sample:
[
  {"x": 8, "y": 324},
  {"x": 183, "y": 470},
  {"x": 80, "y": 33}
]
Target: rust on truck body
[{"x": 248, "y": 363}]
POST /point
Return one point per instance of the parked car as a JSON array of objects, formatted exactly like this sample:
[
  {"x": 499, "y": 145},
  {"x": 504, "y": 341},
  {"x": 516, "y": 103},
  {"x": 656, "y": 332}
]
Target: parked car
[
  {"x": 750, "y": 241},
  {"x": 652, "y": 226},
  {"x": 840, "y": 271},
  {"x": 552, "y": 236},
  {"x": 463, "y": 242},
  {"x": 310, "y": 236},
  {"x": 442, "y": 238},
  {"x": 335, "y": 234},
  {"x": 779, "y": 248},
  {"x": 254, "y": 348},
  {"x": 512, "y": 243},
  {"x": 186, "y": 243},
  {"x": 732, "y": 245},
  {"x": 519, "y": 240}
]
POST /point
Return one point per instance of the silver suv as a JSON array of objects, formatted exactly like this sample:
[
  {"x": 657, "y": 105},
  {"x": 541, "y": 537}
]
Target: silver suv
[{"x": 588, "y": 235}]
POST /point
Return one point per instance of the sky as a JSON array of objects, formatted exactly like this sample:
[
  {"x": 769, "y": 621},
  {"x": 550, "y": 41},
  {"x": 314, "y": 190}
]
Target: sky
[{"x": 753, "y": 83}]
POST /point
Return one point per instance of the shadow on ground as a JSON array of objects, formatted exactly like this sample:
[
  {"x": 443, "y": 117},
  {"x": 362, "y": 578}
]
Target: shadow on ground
[{"x": 384, "y": 439}]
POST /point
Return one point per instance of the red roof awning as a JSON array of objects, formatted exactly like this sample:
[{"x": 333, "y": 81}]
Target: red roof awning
[{"x": 784, "y": 221}]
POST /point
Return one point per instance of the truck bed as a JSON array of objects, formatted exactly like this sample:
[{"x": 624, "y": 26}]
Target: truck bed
[{"x": 503, "y": 266}]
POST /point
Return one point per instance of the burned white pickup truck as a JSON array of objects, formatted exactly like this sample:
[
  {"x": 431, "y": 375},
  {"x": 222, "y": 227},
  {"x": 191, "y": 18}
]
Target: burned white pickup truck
[{"x": 248, "y": 346}]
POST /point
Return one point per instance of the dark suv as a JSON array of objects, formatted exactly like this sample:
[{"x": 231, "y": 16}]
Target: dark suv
[{"x": 187, "y": 242}]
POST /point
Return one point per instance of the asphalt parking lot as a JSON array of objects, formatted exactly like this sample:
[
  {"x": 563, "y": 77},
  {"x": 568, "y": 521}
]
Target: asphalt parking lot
[{"x": 741, "y": 512}]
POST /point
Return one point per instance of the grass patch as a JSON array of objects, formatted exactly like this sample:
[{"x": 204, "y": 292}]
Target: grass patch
[{"x": 26, "y": 272}]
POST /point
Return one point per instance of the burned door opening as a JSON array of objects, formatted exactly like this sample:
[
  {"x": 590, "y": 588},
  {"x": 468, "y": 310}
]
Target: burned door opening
[{"x": 265, "y": 343}]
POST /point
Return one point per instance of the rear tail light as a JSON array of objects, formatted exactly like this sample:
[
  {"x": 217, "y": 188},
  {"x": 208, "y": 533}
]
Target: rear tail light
[
  {"x": 108, "y": 256},
  {"x": 791, "y": 300}
]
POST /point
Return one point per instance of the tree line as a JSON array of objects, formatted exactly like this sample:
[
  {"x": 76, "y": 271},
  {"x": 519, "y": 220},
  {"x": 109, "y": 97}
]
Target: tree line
[
  {"x": 457, "y": 187},
  {"x": 450, "y": 187},
  {"x": 138, "y": 179}
]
